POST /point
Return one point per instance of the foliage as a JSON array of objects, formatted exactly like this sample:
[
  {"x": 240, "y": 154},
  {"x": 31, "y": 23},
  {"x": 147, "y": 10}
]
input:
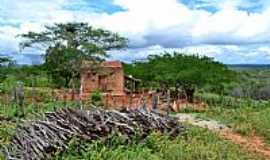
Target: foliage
[
  {"x": 31, "y": 76},
  {"x": 96, "y": 98},
  {"x": 67, "y": 45},
  {"x": 8, "y": 85},
  {"x": 252, "y": 84},
  {"x": 245, "y": 120},
  {"x": 4, "y": 61},
  {"x": 196, "y": 144},
  {"x": 245, "y": 116},
  {"x": 181, "y": 71},
  {"x": 7, "y": 129},
  {"x": 33, "y": 110},
  {"x": 228, "y": 101}
]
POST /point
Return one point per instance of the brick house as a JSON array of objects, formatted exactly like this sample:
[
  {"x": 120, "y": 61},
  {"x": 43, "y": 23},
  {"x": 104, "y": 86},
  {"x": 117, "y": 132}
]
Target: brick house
[
  {"x": 108, "y": 78},
  {"x": 118, "y": 89}
]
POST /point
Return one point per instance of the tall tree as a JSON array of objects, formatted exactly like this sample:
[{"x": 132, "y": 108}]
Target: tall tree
[
  {"x": 187, "y": 72},
  {"x": 4, "y": 60},
  {"x": 68, "y": 45}
]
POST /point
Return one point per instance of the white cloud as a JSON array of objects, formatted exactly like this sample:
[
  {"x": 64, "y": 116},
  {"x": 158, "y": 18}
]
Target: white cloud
[
  {"x": 233, "y": 26},
  {"x": 229, "y": 54},
  {"x": 146, "y": 21},
  {"x": 171, "y": 24},
  {"x": 162, "y": 23}
]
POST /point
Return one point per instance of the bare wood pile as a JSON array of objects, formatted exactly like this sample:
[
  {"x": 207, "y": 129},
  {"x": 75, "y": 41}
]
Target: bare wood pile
[{"x": 40, "y": 139}]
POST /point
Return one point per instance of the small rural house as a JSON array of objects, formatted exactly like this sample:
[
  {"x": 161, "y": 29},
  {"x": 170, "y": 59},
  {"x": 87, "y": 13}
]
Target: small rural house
[{"x": 118, "y": 90}]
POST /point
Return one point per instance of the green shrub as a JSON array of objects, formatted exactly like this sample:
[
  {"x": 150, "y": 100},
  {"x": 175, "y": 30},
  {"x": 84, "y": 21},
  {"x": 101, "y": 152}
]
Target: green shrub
[
  {"x": 228, "y": 101},
  {"x": 96, "y": 98},
  {"x": 41, "y": 94},
  {"x": 8, "y": 84}
]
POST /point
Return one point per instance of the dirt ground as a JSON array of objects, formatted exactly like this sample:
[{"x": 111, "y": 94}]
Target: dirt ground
[{"x": 253, "y": 143}]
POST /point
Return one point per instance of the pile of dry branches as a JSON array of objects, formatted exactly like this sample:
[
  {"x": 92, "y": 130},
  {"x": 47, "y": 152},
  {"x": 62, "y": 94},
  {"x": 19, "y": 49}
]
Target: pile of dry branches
[{"x": 39, "y": 139}]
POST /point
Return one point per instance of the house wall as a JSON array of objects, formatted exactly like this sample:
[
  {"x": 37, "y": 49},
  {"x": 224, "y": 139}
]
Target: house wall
[
  {"x": 113, "y": 82},
  {"x": 89, "y": 82}
]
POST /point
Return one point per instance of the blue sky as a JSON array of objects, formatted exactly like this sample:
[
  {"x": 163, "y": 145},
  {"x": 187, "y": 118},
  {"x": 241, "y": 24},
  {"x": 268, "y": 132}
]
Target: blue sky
[{"x": 231, "y": 31}]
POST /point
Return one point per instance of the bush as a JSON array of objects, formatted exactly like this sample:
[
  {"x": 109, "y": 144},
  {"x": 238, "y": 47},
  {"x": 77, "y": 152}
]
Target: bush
[
  {"x": 228, "y": 101},
  {"x": 96, "y": 98},
  {"x": 8, "y": 84}
]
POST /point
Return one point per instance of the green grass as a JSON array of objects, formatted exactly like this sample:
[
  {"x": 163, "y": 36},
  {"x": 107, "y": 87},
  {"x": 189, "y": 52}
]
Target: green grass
[
  {"x": 245, "y": 116},
  {"x": 244, "y": 120},
  {"x": 195, "y": 144},
  {"x": 31, "y": 110},
  {"x": 6, "y": 130}
]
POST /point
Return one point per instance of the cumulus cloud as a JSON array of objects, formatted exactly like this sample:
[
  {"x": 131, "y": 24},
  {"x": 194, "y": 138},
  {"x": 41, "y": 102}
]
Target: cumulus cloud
[
  {"x": 233, "y": 30},
  {"x": 172, "y": 24},
  {"x": 228, "y": 54}
]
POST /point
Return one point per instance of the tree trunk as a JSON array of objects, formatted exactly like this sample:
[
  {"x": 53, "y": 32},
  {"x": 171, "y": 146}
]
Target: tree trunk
[
  {"x": 190, "y": 94},
  {"x": 67, "y": 80}
]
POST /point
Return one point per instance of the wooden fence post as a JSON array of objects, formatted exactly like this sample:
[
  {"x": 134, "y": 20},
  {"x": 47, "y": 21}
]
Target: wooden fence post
[
  {"x": 155, "y": 101},
  {"x": 168, "y": 100},
  {"x": 19, "y": 98}
]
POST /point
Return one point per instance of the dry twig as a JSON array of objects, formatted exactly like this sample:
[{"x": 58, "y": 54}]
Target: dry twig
[{"x": 41, "y": 138}]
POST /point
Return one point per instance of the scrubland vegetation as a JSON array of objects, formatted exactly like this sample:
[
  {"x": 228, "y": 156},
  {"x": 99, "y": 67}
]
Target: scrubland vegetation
[
  {"x": 236, "y": 97},
  {"x": 244, "y": 115},
  {"x": 195, "y": 143},
  {"x": 247, "y": 117}
]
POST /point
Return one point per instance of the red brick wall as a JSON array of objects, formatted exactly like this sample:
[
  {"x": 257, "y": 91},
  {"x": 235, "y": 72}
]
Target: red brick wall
[
  {"x": 115, "y": 81},
  {"x": 89, "y": 82},
  {"x": 131, "y": 101},
  {"x": 112, "y": 82},
  {"x": 109, "y": 100},
  {"x": 112, "y": 85}
]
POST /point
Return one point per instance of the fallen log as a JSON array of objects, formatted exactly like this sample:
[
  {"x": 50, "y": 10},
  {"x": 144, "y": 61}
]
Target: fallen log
[{"x": 37, "y": 140}]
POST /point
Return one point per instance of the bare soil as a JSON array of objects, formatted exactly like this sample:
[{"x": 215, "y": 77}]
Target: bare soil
[{"x": 253, "y": 143}]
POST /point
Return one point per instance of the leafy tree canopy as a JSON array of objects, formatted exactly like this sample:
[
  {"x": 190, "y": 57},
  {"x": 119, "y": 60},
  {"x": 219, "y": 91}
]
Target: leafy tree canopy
[
  {"x": 181, "y": 71},
  {"x": 68, "y": 45},
  {"x": 4, "y": 60}
]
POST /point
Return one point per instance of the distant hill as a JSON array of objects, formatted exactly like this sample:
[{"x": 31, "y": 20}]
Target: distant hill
[{"x": 249, "y": 66}]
